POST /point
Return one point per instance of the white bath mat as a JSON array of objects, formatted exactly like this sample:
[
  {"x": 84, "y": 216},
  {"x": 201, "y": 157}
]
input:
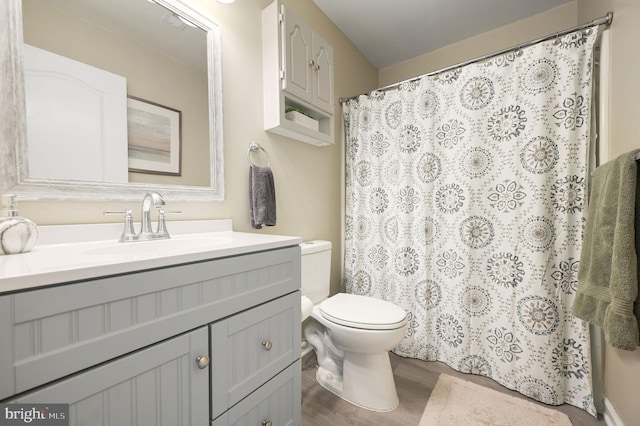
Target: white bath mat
[{"x": 456, "y": 402}]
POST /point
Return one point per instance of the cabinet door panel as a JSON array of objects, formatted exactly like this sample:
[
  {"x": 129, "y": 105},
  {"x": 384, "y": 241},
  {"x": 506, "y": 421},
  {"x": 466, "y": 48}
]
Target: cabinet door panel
[
  {"x": 278, "y": 401},
  {"x": 250, "y": 348},
  {"x": 160, "y": 385},
  {"x": 323, "y": 69},
  {"x": 297, "y": 42}
]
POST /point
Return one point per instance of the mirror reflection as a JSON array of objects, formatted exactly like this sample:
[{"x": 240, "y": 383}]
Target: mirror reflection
[{"x": 116, "y": 91}]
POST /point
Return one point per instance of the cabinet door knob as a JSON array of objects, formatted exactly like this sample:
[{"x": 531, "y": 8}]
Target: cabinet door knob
[
  {"x": 202, "y": 361},
  {"x": 312, "y": 63},
  {"x": 267, "y": 344},
  {"x": 316, "y": 67},
  {"x": 266, "y": 423}
]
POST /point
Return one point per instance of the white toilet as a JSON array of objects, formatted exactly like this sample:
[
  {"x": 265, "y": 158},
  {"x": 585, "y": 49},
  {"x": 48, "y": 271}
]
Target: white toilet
[{"x": 350, "y": 334}]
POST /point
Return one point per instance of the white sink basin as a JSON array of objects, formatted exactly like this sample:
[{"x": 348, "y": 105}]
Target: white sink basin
[
  {"x": 158, "y": 247},
  {"x": 67, "y": 253}
]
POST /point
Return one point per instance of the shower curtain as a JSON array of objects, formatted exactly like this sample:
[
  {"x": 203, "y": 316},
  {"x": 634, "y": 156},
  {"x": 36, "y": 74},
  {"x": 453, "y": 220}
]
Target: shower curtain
[{"x": 465, "y": 196}]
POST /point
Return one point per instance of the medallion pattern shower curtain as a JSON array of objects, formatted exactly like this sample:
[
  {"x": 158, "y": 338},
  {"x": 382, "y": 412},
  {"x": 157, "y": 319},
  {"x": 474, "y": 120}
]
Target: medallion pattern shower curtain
[{"x": 465, "y": 196}]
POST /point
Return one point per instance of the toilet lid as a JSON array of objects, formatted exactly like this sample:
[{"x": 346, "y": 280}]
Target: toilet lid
[{"x": 364, "y": 312}]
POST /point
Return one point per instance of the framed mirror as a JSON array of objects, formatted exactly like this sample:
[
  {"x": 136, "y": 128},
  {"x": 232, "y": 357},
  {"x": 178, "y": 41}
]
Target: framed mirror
[{"x": 157, "y": 125}]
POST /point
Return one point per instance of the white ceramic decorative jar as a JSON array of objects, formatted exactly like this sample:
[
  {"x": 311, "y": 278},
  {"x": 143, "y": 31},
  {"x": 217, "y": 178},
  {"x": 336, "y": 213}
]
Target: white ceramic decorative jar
[{"x": 17, "y": 234}]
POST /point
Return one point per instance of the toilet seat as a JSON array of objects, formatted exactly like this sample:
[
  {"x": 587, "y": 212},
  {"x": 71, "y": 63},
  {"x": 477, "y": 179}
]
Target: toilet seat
[{"x": 363, "y": 312}]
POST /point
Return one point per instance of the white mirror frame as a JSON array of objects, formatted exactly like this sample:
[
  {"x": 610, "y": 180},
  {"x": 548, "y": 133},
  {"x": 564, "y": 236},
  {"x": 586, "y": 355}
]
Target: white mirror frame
[{"x": 14, "y": 171}]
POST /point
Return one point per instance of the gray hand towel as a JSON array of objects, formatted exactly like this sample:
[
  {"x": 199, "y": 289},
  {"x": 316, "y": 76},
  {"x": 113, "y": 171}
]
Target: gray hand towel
[
  {"x": 262, "y": 197},
  {"x": 608, "y": 276}
]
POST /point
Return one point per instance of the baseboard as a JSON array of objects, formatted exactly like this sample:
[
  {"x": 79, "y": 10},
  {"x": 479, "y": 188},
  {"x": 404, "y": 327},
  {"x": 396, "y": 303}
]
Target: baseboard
[{"x": 611, "y": 418}]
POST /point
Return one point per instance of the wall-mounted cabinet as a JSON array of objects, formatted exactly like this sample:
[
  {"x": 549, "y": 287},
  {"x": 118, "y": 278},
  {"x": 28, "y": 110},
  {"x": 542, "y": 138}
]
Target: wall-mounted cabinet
[{"x": 297, "y": 74}]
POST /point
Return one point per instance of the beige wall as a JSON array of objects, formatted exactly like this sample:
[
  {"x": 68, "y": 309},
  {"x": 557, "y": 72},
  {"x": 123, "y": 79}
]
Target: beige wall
[
  {"x": 622, "y": 368},
  {"x": 308, "y": 178},
  {"x": 537, "y": 26}
]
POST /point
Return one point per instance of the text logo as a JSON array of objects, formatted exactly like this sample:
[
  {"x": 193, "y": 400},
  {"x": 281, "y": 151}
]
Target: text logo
[{"x": 34, "y": 414}]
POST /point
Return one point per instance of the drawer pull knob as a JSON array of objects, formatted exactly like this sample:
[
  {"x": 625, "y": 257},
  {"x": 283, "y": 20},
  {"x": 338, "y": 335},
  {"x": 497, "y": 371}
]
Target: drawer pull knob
[
  {"x": 267, "y": 345},
  {"x": 266, "y": 423},
  {"x": 202, "y": 361}
]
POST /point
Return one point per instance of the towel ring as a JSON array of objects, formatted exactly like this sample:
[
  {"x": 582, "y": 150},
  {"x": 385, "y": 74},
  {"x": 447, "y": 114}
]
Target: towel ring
[{"x": 255, "y": 147}]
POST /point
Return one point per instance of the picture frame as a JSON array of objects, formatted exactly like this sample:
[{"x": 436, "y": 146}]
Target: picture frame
[{"x": 154, "y": 138}]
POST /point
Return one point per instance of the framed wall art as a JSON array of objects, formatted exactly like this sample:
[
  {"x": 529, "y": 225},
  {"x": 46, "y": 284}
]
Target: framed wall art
[{"x": 154, "y": 138}]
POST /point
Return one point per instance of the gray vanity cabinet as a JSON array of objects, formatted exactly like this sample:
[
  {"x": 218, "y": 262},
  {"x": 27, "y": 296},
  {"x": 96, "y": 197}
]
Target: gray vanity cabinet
[{"x": 133, "y": 348}]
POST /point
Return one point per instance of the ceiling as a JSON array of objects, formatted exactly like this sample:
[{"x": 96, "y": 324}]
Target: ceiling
[{"x": 388, "y": 32}]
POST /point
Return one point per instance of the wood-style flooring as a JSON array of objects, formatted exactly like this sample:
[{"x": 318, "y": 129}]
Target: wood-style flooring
[{"x": 415, "y": 380}]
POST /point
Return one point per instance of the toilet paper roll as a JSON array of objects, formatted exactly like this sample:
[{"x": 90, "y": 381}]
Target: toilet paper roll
[{"x": 306, "y": 306}]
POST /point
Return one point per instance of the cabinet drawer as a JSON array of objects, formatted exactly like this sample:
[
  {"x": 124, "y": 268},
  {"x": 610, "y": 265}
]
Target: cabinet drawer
[
  {"x": 159, "y": 385},
  {"x": 277, "y": 401},
  {"x": 250, "y": 348},
  {"x": 50, "y": 333}
]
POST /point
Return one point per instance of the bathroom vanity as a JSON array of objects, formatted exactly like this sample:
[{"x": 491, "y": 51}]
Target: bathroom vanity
[{"x": 202, "y": 328}]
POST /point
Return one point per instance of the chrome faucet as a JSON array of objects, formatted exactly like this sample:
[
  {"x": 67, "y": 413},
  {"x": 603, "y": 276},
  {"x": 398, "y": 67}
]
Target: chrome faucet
[{"x": 146, "y": 231}]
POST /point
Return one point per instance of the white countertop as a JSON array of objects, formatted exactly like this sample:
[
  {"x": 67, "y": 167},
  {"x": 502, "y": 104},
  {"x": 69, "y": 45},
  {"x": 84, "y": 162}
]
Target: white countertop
[{"x": 68, "y": 253}]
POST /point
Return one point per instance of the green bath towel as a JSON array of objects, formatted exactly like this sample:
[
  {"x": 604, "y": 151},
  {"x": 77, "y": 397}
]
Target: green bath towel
[{"x": 608, "y": 276}]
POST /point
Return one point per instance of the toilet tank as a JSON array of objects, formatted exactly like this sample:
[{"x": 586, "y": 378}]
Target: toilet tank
[{"x": 316, "y": 269}]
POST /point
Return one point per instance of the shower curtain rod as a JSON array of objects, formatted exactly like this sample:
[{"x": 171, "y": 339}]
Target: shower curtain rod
[{"x": 605, "y": 20}]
